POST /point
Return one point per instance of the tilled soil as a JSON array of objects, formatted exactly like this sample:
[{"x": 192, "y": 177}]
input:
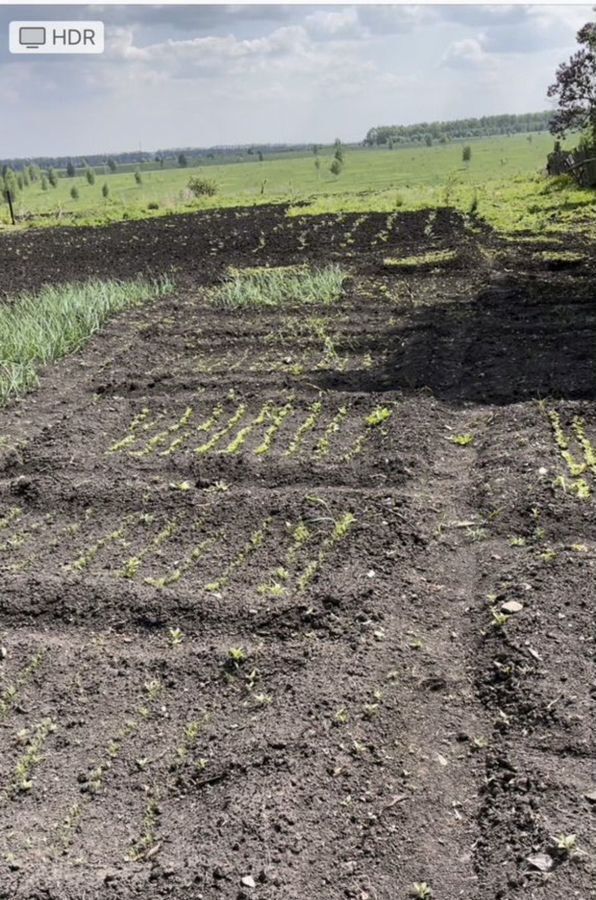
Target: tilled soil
[{"x": 258, "y": 645}]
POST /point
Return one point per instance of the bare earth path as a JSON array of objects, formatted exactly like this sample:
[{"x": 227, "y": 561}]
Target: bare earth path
[{"x": 258, "y": 646}]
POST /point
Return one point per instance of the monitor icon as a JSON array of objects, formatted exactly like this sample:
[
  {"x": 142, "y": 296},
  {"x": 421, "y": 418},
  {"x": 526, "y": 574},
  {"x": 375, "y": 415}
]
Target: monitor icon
[{"x": 32, "y": 38}]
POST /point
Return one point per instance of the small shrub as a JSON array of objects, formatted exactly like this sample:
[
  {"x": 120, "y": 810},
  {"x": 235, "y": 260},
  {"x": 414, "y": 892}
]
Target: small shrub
[
  {"x": 202, "y": 187},
  {"x": 466, "y": 153},
  {"x": 74, "y": 193},
  {"x": 105, "y": 191},
  {"x": 153, "y": 205}
]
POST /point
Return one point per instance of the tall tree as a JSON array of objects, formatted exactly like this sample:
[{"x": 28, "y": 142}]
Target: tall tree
[{"x": 574, "y": 88}]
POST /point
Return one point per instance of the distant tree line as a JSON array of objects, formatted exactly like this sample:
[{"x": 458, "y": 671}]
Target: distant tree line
[
  {"x": 176, "y": 156},
  {"x": 429, "y": 133}
]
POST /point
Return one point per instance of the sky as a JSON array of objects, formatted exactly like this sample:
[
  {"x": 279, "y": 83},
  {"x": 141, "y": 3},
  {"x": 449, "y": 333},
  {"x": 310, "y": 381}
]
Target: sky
[{"x": 184, "y": 76}]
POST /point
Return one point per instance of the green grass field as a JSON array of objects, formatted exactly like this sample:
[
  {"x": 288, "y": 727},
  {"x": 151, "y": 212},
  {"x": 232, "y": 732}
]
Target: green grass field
[{"x": 503, "y": 183}]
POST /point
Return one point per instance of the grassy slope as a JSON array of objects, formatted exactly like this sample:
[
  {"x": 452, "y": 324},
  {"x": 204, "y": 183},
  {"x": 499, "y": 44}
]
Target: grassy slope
[{"x": 503, "y": 178}]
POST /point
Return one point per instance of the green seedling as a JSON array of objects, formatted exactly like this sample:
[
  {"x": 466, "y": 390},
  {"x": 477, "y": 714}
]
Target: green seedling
[
  {"x": 560, "y": 436},
  {"x": 22, "y": 780},
  {"x": 575, "y": 468},
  {"x": 209, "y": 445},
  {"x": 276, "y": 585},
  {"x": 204, "y": 427},
  {"x": 132, "y": 566},
  {"x": 324, "y": 444},
  {"x": 499, "y": 619},
  {"x": 567, "y": 845},
  {"x": 84, "y": 561},
  {"x": 162, "y": 436},
  {"x": 378, "y": 416},
  {"x": 262, "y": 699},
  {"x": 463, "y": 440},
  {"x": 421, "y": 890},
  {"x": 218, "y": 487},
  {"x": 138, "y": 424},
  {"x": 548, "y": 556},
  {"x": 181, "y": 486},
  {"x": 176, "y": 636},
  {"x": 254, "y": 542},
  {"x": 579, "y": 488},
  {"x": 174, "y": 576},
  {"x": 340, "y": 531},
  {"x": 305, "y": 428},
  {"x": 10, "y": 694},
  {"x": 238, "y": 442},
  {"x": 148, "y": 838},
  {"x": 236, "y": 658},
  {"x": 279, "y": 418},
  {"x": 579, "y": 429},
  {"x": 11, "y": 516}
]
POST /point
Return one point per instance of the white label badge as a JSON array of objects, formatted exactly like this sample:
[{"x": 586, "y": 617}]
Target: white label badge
[{"x": 56, "y": 37}]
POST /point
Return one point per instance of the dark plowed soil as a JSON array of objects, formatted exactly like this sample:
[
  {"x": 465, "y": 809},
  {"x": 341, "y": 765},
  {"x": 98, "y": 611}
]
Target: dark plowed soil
[{"x": 256, "y": 644}]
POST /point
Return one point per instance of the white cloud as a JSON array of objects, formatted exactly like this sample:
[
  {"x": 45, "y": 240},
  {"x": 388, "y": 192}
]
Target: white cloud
[
  {"x": 467, "y": 54},
  {"x": 343, "y": 24}
]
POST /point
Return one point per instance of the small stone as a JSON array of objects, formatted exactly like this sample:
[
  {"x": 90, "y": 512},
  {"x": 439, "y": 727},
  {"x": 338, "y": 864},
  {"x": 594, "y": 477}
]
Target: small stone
[
  {"x": 248, "y": 881},
  {"x": 511, "y": 607},
  {"x": 541, "y": 861},
  {"x": 591, "y": 796}
]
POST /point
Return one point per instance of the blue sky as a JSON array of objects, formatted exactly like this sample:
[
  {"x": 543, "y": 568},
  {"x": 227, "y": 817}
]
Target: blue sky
[{"x": 203, "y": 75}]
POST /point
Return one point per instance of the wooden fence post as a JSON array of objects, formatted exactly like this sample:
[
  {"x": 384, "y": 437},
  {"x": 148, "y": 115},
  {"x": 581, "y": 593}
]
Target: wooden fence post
[{"x": 9, "y": 201}]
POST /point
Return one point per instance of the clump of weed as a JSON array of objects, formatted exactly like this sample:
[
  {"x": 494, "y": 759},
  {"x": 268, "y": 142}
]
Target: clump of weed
[
  {"x": 279, "y": 286},
  {"x": 426, "y": 260},
  {"x": 36, "y": 330}
]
